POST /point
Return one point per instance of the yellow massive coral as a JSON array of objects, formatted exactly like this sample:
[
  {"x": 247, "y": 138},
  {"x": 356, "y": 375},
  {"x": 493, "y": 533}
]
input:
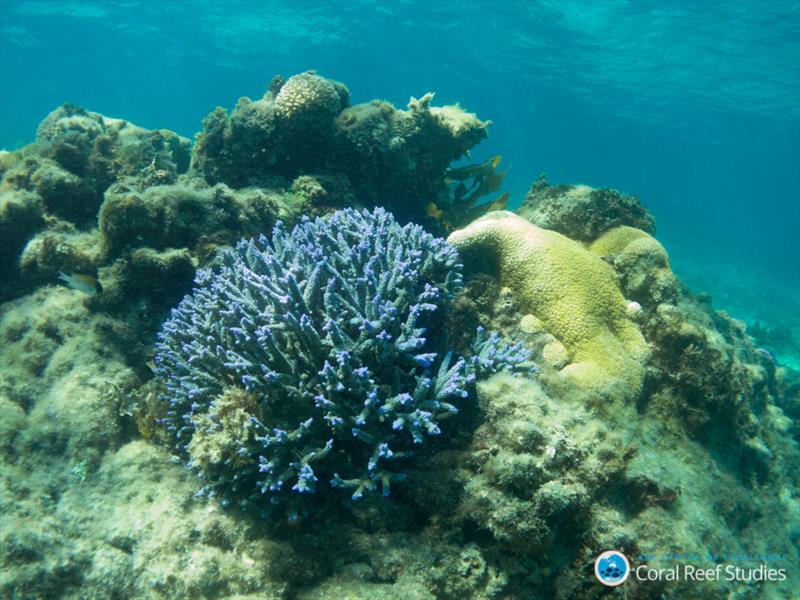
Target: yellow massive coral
[
  {"x": 571, "y": 290},
  {"x": 642, "y": 264}
]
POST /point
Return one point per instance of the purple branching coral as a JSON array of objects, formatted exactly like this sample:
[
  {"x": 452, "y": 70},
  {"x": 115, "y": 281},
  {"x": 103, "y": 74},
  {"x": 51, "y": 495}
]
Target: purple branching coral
[{"x": 318, "y": 360}]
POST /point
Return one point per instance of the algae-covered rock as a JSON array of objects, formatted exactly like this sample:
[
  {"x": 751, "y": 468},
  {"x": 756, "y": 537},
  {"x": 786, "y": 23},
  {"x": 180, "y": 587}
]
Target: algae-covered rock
[
  {"x": 69, "y": 133},
  {"x": 56, "y": 185},
  {"x": 52, "y": 252},
  {"x": 33, "y": 329},
  {"x": 305, "y": 126},
  {"x": 161, "y": 216},
  {"x": 529, "y": 489},
  {"x": 180, "y": 216},
  {"x": 12, "y": 422},
  {"x": 20, "y": 216},
  {"x": 315, "y": 195},
  {"x": 581, "y": 212},
  {"x": 160, "y": 278},
  {"x": 65, "y": 194},
  {"x": 706, "y": 374},
  {"x": 571, "y": 290},
  {"x": 391, "y": 154},
  {"x": 92, "y": 146}
]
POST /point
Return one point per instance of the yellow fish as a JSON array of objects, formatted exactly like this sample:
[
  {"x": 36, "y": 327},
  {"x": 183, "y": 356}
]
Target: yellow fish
[
  {"x": 83, "y": 283},
  {"x": 434, "y": 211}
]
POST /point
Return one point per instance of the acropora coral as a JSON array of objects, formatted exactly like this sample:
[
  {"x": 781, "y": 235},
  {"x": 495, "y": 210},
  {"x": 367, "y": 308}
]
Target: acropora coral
[{"x": 317, "y": 359}]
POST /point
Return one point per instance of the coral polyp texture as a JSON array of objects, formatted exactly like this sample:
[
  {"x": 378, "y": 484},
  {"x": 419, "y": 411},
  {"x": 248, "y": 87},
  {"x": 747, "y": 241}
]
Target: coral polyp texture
[
  {"x": 571, "y": 291},
  {"x": 641, "y": 262},
  {"x": 308, "y": 101},
  {"x": 314, "y": 361}
]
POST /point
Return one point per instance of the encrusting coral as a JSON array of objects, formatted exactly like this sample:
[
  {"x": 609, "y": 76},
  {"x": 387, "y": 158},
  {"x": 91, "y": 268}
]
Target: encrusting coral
[
  {"x": 324, "y": 346},
  {"x": 570, "y": 290}
]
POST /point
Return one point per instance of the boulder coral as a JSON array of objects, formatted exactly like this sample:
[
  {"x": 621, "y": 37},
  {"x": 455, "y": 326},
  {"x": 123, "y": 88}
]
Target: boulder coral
[
  {"x": 642, "y": 264},
  {"x": 309, "y": 103},
  {"x": 286, "y": 133},
  {"x": 570, "y": 290}
]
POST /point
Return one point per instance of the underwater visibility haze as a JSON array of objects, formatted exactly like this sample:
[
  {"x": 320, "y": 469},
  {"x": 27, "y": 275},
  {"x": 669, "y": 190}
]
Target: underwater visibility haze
[{"x": 435, "y": 300}]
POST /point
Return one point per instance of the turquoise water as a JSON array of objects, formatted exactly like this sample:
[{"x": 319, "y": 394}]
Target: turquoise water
[
  {"x": 693, "y": 106},
  {"x": 351, "y": 407}
]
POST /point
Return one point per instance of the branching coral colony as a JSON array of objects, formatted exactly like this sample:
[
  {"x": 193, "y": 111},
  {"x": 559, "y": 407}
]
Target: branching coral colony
[{"x": 314, "y": 361}]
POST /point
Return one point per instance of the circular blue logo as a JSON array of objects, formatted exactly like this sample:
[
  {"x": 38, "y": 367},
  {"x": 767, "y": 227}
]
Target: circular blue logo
[{"x": 612, "y": 568}]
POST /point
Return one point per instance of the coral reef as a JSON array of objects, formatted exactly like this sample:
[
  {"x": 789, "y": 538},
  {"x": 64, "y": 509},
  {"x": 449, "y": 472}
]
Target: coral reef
[
  {"x": 180, "y": 216},
  {"x": 572, "y": 292},
  {"x": 469, "y": 184},
  {"x": 307, "y": 104},
  {"x": 20, "y": 216},
  {"x": 93, "y": 151},
  {"x": 706, "y": 374},
  {"x": 55, "y": 187},
  {"x": 53, "y": 251},
  {"x": 316, "y": 195},
  {"x": 393, "y": 155},
  {"x": 684, "y": 440},
  {"x": 305, "y": 126},
  {"x": 315, "y": 358},
  {"x": 581, "y": 212}
]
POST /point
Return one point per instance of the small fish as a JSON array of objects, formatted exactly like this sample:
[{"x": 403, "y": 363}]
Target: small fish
[
  {"x": 498, "y": 204},
  {"x": 151, "y": 364},
  {"x": 83, "y": 283},
  {"x": 434, "y": 211}
]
